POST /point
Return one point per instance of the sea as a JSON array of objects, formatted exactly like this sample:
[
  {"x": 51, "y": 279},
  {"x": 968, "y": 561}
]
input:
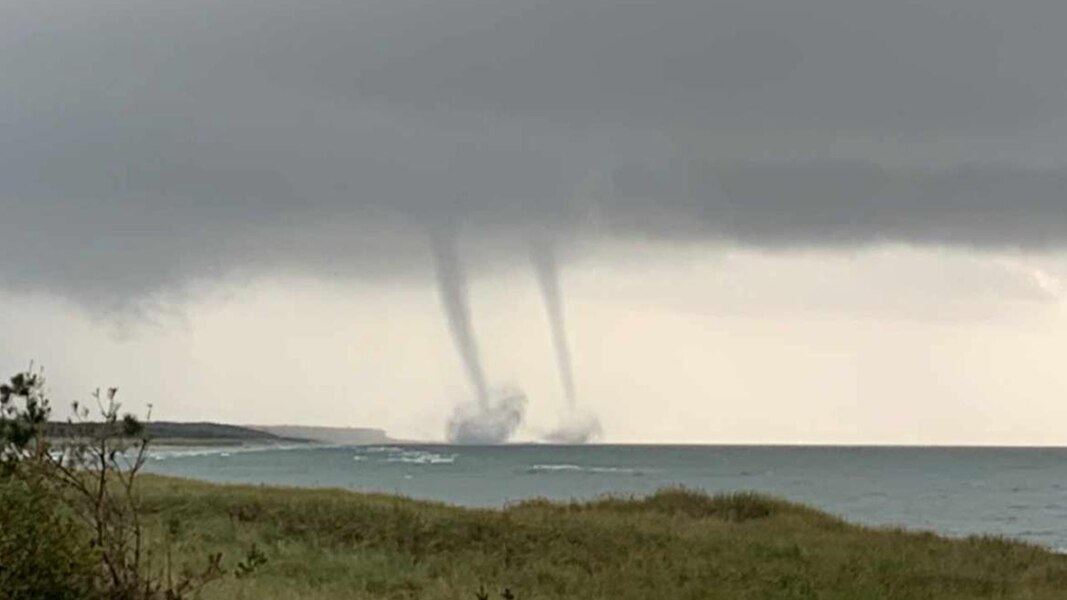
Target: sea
[{"x": 1019, "y": 493}]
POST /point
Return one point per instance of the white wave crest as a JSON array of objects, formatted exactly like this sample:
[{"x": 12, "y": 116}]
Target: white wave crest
[
  {"x": 392, "y": 454},
  {"x": 567, "y": 468},
  {"x": 419, "y": 457},
  {"x": 165, "y": 453}
]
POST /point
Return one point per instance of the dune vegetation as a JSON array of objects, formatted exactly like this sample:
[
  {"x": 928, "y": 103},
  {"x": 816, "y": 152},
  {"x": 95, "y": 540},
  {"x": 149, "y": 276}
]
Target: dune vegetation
[{"x": 674, "y": 544}]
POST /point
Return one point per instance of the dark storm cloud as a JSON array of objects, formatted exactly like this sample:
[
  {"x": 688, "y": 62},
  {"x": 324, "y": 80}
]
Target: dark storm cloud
[
  {"x": 146, "y": 146},
  {"x": 830, "y": 203}
]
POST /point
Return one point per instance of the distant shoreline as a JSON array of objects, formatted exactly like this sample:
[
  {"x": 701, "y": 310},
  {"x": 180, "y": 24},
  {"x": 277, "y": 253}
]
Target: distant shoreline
[{"x": 171, "y": 433}]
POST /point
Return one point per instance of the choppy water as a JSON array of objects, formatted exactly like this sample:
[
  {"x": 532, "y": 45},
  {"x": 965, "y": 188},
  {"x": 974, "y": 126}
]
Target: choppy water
[{"x": 1016, "y": 492}]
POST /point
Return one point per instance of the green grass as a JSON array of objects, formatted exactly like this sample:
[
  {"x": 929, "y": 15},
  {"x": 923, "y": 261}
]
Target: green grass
[{"x": 675, "y": 544}]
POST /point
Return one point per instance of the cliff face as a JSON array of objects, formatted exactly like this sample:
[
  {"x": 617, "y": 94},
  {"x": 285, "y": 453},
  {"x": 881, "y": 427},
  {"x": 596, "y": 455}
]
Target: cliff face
[{"x": 329, "y": 435}]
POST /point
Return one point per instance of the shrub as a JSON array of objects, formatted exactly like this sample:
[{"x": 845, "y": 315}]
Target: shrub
[
  {"x": 70, "y": 524},
  {"x": 44, "y": 552}
]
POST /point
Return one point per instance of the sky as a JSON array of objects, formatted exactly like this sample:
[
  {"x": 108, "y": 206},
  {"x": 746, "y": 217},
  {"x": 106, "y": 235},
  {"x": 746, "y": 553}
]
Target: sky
[{"x": 770, "y": 221}]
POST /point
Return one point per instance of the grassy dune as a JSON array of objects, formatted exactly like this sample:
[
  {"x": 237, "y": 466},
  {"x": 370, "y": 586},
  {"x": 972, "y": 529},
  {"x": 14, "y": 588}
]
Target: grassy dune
[{"x": 675, "y": 544}]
